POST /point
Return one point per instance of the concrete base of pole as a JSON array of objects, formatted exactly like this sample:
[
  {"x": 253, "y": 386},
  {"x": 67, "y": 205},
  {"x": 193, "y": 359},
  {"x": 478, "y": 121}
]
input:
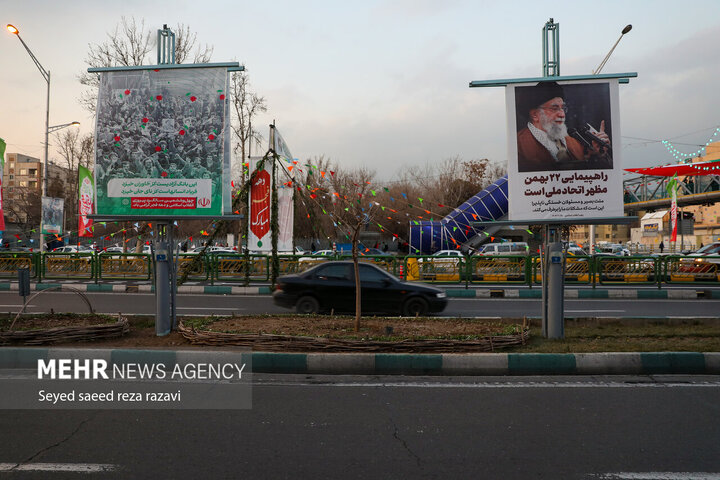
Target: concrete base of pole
[
  {"x": 163, "y": 317},
  {"x": 555, "y": 293}
]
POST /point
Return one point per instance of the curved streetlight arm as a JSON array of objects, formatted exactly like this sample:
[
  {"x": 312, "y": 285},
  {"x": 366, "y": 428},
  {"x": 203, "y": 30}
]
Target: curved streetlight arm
[
  {"x": 607, "y": 57},
  {"x": 55, "y": 128},
  {"x": 45, "y": 73}
]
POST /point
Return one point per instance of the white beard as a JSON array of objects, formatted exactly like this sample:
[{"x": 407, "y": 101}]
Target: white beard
[{"x": 553, "y": 130}]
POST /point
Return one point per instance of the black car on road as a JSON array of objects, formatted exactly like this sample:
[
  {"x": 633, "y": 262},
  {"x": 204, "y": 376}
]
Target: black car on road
[{"x": 331, "y": 286}]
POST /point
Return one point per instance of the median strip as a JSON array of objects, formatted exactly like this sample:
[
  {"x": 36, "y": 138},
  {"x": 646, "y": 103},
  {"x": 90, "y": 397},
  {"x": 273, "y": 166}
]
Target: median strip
[{"x": 613, "y": 363}]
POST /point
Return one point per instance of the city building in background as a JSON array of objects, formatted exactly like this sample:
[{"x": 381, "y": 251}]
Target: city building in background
[{"x": 22, "y": 178}]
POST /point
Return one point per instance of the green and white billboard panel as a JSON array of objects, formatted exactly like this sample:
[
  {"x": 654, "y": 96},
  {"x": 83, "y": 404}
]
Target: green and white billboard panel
[{"x": 162, "y": 142}]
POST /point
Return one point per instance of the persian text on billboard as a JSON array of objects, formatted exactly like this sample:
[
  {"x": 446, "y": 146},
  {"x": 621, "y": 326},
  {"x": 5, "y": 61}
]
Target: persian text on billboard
[
  {"x": 160, "y": 135},
  {"x": 563, "y": 146}
]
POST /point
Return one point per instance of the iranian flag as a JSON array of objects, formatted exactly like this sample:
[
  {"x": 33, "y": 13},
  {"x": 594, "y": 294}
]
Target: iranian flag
[
  {"x": 86, "y": 196},
  {"x": 672, "y": 190}
]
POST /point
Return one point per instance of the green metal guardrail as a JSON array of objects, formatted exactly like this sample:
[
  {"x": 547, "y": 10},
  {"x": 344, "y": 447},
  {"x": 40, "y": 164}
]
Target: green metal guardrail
[
  {"x": 75, "y": 265},
  {"x": 126, "y": 266},
  {"x": 11, "y": 262},
  {"x": 688, "y": 269},
  {"x": 496, "y": 269},
  {"x": 198, "y": 269}
]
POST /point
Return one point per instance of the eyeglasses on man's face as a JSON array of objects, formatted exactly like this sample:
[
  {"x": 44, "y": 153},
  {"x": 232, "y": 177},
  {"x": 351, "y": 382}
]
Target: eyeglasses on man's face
[{"x": 556, "y": 108}]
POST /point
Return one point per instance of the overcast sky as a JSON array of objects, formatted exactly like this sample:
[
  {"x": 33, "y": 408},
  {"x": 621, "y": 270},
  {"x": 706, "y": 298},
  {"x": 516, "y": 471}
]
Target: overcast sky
[{"x": 384, "y": 83}]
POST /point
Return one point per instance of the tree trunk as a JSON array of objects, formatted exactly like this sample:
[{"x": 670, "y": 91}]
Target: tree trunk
[{"x": 356, "y": 270}]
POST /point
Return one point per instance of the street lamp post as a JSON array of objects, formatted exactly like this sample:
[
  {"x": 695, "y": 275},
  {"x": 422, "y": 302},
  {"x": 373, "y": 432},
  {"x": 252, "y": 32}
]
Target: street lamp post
[
  {"x": 46, "y": 75},
  {"x": 602, "y": 64},
  {"x": 595, "y": 72}
]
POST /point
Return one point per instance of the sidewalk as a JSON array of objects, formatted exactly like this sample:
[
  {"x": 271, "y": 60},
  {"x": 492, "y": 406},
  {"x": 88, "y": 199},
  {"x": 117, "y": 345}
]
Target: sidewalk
[
  {"x": 690, "y": 293},
  {"x": 483, "y": 364}
]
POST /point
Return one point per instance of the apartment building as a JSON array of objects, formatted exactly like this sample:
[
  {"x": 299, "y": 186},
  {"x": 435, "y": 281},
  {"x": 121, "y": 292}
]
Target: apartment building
[{"x": 22, "y": 176}]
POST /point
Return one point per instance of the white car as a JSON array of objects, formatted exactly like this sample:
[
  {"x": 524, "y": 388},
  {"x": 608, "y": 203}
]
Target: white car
[
  {"x": 710, "y": 253},
  {"x": 448, "y": 253},
  {"x": 72, "y": 249},
  {"x": 614, "y": 249},
  {"x": 319, "y": 253},
  {"x": 443, "y": 258},
  {"x": 505, "y": 248},
  {"x": 212, "y": 249}
]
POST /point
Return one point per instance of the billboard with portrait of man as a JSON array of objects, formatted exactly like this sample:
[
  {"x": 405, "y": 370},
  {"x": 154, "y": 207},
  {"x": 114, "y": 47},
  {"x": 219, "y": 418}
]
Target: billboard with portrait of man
[
  {"x": 563, "y": 150},
  {"x": 53, "y": 210},
  {"x": 162, "y": 142}
]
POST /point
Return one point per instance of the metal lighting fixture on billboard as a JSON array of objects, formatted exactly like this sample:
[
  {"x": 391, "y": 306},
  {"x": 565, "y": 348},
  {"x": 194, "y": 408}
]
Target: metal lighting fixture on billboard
[{"x": 602, "y": 64}]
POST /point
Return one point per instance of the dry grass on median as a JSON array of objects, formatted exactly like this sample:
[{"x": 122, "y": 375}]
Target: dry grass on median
[
  {"x": 585, "y": 335},
  {"x": 645, "y": 336}
]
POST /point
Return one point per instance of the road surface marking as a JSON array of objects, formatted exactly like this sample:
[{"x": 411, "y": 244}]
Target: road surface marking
[
  {"x": 57, "y": 467},
  {"x": 497, "y": 384},
  {"x": 234, "y": 309},
  {"x": 594, "y": 311},
  {"x": 661, "y": 476}
]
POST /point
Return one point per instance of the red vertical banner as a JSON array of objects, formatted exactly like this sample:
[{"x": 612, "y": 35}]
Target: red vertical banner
[{"x": 260, "y": 205}]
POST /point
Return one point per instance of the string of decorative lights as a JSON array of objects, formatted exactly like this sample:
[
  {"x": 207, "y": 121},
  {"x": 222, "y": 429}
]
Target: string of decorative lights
[{"x": 681, "y": 155}]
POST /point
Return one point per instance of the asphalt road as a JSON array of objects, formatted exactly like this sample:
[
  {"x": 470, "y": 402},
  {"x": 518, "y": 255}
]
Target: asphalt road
[
  {"x": 391, "y": 427},
  {"x": 138, "y": 303}
]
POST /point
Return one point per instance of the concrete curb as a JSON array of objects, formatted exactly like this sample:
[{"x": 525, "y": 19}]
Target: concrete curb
[
  {"x": 535, "y": 293},
  {"x": 484, "y": 364},
  {"x": 678, "y": 294},
  {"x": 144, "y": 288}
]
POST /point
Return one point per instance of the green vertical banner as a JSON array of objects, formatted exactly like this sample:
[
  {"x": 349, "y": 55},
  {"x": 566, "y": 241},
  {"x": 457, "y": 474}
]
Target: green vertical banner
[
  {"x": 2, "y": 169},
  {"x": 86, "y": 198}
]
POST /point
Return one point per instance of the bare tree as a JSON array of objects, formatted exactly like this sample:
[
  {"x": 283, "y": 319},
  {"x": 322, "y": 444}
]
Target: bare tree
[
  {"x": 130, "y": 44},
  {"x": 311, "y": 200},
  {"x": 24, "y": 208},
  {"x": 74, "y": 149},
  {"x": 246, "y": 106},
  {"x": 352, "y": 212},
  {"x": 185, "y": 49}
]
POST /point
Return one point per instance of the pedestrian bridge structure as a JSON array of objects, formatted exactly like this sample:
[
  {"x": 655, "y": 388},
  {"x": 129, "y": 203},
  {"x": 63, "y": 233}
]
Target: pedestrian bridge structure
[{"x": 642, "y": 193}]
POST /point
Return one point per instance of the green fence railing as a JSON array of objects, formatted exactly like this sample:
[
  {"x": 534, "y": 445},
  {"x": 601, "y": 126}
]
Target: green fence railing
[{"x": 476, "y": 270}]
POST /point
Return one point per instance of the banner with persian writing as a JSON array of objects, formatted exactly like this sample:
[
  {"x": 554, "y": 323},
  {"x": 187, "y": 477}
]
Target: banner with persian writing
[
  {"x": 162, "y": 142},
  {"x": 564, "y": 150},
  {"x": 259, "y": 235},
  {"x": 86, "y": 201}
]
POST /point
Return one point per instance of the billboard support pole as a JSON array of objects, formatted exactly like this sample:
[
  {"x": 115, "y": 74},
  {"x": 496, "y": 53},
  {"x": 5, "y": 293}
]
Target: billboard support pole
[
  {"x": 163, "y": 320},
  {"x": 553, "y": 284},
  {"x": 553, "y": 281}
]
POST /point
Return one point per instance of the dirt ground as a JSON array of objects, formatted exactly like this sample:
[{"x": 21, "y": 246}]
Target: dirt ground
[{"x": 142, "y": 329}]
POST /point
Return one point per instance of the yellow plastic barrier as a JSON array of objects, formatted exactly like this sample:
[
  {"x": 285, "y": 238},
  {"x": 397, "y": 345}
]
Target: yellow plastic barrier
[
  {"x": 635, "y": 277},
  {"x": 447, "y": 277},
  {"x": 498, "y": 277},
  {"x": 413, "y": 271},
  {"x": 681, "y": 278}
]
